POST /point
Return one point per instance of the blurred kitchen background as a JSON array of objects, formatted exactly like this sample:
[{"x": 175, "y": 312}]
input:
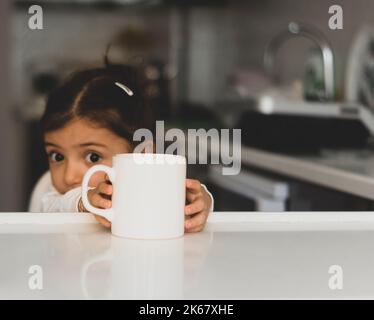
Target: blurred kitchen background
[{"x": 302, "y": 94}]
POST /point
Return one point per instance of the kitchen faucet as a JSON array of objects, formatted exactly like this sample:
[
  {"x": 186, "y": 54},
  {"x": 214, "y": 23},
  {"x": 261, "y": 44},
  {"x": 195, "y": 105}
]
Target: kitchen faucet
[{"x": 297, "y": 29}]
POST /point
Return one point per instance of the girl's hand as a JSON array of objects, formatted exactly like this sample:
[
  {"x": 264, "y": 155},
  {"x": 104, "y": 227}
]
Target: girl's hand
[
  {"x": 197, "y": 211},
  {"x": 101, "y": 197}
]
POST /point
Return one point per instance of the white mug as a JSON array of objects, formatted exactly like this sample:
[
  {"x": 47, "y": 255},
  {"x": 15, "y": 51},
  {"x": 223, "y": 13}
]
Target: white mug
[{"x": 148, "y": 195}]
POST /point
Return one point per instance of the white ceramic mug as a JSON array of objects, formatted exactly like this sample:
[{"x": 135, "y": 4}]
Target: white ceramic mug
[{"x": 148, "y": 195}]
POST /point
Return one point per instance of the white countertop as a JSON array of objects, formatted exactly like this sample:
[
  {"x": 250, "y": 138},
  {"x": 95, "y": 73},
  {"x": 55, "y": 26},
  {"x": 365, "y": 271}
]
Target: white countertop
[
  {"x": 350, "y": 171},
  {"x": 237, "y": 256}
]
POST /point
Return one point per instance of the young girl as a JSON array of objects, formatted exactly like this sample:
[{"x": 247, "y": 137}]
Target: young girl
[{"x": 88, "y": 119}]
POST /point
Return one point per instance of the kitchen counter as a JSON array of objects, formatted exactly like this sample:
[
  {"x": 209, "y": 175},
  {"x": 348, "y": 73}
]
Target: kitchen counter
[
  {"x": 237, "y": 256},
  {"x": 350, "y": 171}
]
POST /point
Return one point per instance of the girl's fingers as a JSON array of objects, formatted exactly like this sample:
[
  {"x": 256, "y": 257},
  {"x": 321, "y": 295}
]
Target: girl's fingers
[
  {"x": 107, "y": 180},
  {"x": 196, "y": 222},
  {"x": 194, "y": 207},
  {"x": 193, "y": 186},
  {"x": 105, "y": 188},
  {"x": 197, "y": 229},
  {"x": 191, "y": 197},
  {"x": 103, "y": 221},
  {"x": 98, "y": 201}
]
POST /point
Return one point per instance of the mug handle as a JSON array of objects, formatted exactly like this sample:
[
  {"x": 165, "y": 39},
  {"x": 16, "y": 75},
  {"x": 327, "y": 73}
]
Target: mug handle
[{"x": 106, "y": 213}]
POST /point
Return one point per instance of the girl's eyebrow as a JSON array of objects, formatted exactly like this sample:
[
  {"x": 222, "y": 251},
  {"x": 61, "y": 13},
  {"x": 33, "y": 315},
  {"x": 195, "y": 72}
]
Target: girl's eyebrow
[
  {"x": 81, "y": 145},
  {"x": 88, "y": 144},
  {"x": 46, "y": 143}
]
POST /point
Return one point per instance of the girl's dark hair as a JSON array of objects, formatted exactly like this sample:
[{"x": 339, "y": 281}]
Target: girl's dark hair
[{"x": 93, "y": 95}]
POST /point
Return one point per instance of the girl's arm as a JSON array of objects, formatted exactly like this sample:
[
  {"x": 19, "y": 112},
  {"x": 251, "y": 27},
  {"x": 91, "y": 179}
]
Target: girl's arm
[
  {"x": 45, "y": 198},
  {"x": 54, "y": 201}
]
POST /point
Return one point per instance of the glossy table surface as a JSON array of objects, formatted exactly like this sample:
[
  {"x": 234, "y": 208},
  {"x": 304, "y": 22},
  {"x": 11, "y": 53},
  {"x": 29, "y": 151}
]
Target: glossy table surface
[{"x": 242, "y": 255}]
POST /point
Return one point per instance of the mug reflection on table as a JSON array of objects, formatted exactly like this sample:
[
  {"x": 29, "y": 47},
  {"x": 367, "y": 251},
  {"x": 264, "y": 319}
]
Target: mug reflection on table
[{"x": 140, "y": 269}]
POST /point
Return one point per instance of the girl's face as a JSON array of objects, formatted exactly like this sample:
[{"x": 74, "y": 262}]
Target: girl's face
[{"x": 73, "y": 149}]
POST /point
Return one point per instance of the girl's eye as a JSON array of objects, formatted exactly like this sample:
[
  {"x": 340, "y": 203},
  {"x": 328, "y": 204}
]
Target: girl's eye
[
  {"x": 93, "y": 157},
  {"x": 56, "y": 157}
]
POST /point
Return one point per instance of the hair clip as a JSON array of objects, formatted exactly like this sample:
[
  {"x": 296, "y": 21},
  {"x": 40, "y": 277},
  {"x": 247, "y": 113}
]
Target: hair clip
[{"x": 124, "y": 88}]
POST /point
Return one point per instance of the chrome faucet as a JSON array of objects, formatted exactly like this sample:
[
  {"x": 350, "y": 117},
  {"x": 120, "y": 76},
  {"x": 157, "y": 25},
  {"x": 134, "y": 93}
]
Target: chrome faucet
[{"x": 296, "y": 29}]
